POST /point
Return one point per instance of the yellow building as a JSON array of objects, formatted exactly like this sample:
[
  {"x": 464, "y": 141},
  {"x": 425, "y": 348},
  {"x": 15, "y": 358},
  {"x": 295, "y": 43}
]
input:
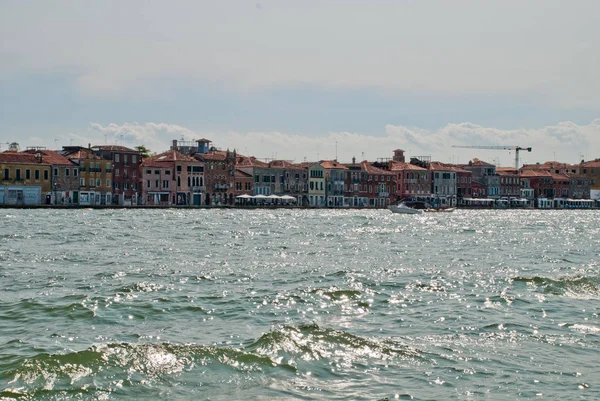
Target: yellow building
[
  {"x": 24, "y": 179},
  {"x": 95, "y": 175}
]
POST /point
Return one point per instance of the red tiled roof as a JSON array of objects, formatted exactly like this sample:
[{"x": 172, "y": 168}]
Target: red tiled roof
[
  {"x": 401, "y": 166},
  {"x": 51, "y": 157},
  {"x": 447, "y": 167},
  {"x": 242, "y": 174},
  {"x": 18, "y": 157},
  {"x": 333, "y": 164},
  {"x": 591, "y": 163},
  {"x": 251, "y": 162},
  {"x": 168, "y": 157},
  {"x": 370, "y": 169}
]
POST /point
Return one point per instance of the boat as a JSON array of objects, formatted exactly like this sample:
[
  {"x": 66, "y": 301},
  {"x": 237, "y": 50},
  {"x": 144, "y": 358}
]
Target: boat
[
  {"x": 440, "y": 210},
  {"x": 403, "y": 208}
]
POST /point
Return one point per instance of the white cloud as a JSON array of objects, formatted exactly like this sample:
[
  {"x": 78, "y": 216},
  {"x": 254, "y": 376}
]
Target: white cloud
[{"x": 566, "y": 141}]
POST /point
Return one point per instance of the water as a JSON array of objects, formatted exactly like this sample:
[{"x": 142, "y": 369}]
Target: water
[{"x": 299, "y": 304}]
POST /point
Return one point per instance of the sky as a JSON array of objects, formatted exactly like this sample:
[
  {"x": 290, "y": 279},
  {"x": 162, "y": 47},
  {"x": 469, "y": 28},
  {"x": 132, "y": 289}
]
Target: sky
[{"x": 306, "y": 80}]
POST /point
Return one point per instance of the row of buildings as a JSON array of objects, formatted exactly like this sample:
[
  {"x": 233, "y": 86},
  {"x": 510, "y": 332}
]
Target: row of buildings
[{"x": 196, "y": 174}]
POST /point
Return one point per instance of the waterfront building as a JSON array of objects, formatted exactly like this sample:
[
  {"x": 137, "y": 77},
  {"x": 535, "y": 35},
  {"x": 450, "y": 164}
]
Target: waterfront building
[
  {"x": 243, "y": 183},
  {"x": 485, "y": 173},
  {"x": 510, "y": 182},
  {"x": 25, "y": 178},
  {"x": 443, "y": 184},
  {"x": 264, "y": 178},
  {"x": 172, "y": 178},
  {"x": 316, "y": 185},
  {"x": 355, "y": 185},
  {"x": 335, "y": 174},
  {"x": 293, "y": 178},
  {"x": 412, "y": 181},
  {"x": 591, "y": 171},
  {"x": 95, "y": 175},
  {"x": 125, "y": 174},
  {"x": 219, "y": 173},
  {"x": 64, "y": 177},
  {"x": 479, "y": 190}
]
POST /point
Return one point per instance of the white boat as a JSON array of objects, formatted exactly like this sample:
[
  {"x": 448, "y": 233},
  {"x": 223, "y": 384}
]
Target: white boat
[{"x": 403, "y": 208}]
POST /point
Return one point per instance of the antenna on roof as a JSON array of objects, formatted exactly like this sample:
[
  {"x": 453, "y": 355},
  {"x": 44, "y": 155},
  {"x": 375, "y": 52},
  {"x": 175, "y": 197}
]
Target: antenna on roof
[{"x": 335, "y": 150}]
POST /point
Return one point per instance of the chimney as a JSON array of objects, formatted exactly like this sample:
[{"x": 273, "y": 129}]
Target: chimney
[
  {"x": 174, "y": 146},
  {"x": 353, "y": 160}
]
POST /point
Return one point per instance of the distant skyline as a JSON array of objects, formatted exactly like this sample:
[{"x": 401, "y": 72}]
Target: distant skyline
[{"x": 290, "y": 79}]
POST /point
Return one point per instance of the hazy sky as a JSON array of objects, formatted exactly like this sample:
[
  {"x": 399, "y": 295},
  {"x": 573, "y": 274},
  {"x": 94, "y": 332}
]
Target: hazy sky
[{"x": 291, "y": 78}]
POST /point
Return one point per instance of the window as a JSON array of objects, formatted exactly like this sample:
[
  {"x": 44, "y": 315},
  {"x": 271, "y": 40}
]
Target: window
[
  {"x": 134, "y": 159},
  {"x": 7, "y": 174},
  {"x": 98, "y": 182},
  {"x": 55, "y": 172},
  {"x": 167, "y": 172},
  {"x": 148, "y": 172},
  {"x": 27, "y": 174},
  {"x": 108, "y": 183},
  {"x": 157, "y": 172},
  {"x": 165, "y": 183},
  {"x": 92, "y": 166},
  {"x": 148, "y": 184},
  {"x": 82, "y": 182},
  {"x": 67, "y": 172},
  {"x": 46, "y": 175},
  {"x": 133, "y": 186},
  {"x": 155, "y": 183},
  {"x": 18, "y": 172},
  {"x": 179, "y": 169},
  {"x": 125, "y": 159},
  {"x": 116, "y": 157},
  {"x": 117, "y": 185},
  {"x": 116, "y": 172},
  {"x": 75, "y": 172},
  {"x": 92, "y": 182}
]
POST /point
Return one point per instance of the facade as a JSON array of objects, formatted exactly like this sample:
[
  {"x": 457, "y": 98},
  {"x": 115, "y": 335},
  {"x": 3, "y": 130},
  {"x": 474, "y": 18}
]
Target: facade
[
  {"x": 335, "y": 174},
  {"x": 125, "y": 175},
  {"x": 219, "y": 174},
  {"x": 316, "y": 185},
  {"x": 25, "y": 179},
  {"x": 65, "y": 178},
  {"x": 510, "y": 182},
  {"x": 356, "y": 188},
  {"x": 95, "y": 175},
  {"x": 485, "y": 173},
  {"x": 443, "y": 184},
  {"x": 172, "y": 178},
  {"x": 412, "y": 181}
]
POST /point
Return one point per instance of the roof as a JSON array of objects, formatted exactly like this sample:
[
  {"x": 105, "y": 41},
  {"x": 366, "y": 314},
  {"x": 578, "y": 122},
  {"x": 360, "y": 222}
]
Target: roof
[
  {"x": 370, "y": 169},
  {"x": 591, "y": 163},
  {"x": 51, "y": 157},
  {"x": 213, "y": 155},
  {"x": 304, "y": 165},
  {"x": 114, "y": 148},
  {"x": 78, "y": 152},
  {"x": 447, "y": 167},
  {"x": 242, "y": 174},
  {"x": 506, "y": 171},
  {"x": 333, "y": 164},
  {"x": 251, "y": 162},
  {"x": 401, "y": 166},
  {"x": 166, "y": 158},
  {"x": 18, "y": 157},
  {"x": 203, "y": 140}
]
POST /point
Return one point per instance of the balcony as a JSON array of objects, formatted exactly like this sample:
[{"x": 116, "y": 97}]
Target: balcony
[
  {"x": 199, "y": 189},
  {"x": 384, "y": 194},
  {"x": 221, "y": 186}
]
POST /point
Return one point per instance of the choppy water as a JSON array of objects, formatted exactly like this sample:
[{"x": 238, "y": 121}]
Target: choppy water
[{"x": 299, "y": 304}]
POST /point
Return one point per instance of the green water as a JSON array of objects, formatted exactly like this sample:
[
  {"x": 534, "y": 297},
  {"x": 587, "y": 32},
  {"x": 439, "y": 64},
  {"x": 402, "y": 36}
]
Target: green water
[{"x": 299, "y": 304}]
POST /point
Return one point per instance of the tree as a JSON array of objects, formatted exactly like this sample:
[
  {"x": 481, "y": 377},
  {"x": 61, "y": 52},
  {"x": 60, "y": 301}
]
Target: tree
[{"x": 144, "y": 151}]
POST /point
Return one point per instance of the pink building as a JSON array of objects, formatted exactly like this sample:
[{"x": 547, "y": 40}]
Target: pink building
[{"x": 172, "y": 178}]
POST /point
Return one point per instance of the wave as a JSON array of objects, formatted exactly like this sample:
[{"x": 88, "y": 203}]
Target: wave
[
  {"x": 279, "y": 353},
  {"x": 577, "y": 286}
]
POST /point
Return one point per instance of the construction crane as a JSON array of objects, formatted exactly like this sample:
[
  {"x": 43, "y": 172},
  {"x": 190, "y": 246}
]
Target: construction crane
[{"x": 515, "y": 148}]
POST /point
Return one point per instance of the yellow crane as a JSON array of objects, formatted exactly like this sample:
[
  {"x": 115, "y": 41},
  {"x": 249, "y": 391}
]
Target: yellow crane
[{"x": 516, "y": 149}]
